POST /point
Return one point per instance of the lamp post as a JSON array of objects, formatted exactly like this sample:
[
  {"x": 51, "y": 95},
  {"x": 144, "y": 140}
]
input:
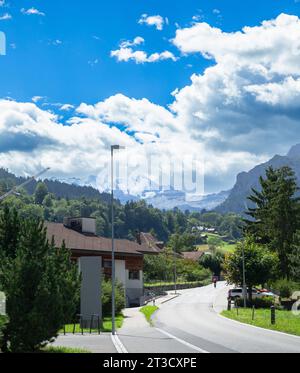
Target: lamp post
[
  {"x": 244, "y": 278},
  {"x": 15, "y": 189},
  {"x": 113, "y": 271}
]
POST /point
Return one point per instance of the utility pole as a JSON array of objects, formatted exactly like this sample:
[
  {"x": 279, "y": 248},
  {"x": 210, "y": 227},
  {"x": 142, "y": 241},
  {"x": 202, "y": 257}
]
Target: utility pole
[{"x": 15, "y": 189}]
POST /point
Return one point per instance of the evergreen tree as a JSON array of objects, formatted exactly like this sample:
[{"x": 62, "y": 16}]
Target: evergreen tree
[
  {"x": 275, "y": 217},
  {"x": 41, "y": 286},
  {"x": 40, "y": 193}
]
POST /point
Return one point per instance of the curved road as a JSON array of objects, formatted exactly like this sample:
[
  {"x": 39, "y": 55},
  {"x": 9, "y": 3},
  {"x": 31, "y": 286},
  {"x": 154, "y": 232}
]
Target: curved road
[{"x": 192, "y": 317}]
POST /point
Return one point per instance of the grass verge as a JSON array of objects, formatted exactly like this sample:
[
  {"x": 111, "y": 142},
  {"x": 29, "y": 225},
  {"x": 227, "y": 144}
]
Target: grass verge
[
  {"x": 286, "y": 321},
  {"x": 64, "y": 350},
  {"x": 106, "y": 326},
  {"x": 148, "y": 312}
]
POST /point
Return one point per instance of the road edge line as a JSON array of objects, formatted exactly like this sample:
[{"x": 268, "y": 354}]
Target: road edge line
[
  {"x": 118, "y": 344},
  {"x": 182, "y": 341}
]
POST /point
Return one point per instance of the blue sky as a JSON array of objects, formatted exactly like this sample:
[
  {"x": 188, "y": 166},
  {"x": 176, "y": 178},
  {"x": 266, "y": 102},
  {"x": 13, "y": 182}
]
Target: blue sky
[
  {"x": 62, "y": 72},
  {"x": 197, "y": 80}
]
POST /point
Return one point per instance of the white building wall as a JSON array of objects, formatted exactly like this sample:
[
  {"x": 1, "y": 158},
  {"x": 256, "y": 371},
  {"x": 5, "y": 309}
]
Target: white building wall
[{"x": 120, "y": 271}]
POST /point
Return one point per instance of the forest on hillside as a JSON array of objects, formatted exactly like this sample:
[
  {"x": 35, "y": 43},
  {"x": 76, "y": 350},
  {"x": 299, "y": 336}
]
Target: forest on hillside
[{"x": 53, "y": 200}]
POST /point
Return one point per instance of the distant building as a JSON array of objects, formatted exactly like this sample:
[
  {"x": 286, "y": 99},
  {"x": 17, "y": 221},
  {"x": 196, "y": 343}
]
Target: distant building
[
  {"x": 192, "y": 255},
  {"x": 79, "y": 235}
]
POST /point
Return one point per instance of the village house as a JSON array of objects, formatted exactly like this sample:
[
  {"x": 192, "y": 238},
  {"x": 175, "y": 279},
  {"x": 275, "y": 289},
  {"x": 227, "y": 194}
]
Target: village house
[{"x": 79, "y": 235}]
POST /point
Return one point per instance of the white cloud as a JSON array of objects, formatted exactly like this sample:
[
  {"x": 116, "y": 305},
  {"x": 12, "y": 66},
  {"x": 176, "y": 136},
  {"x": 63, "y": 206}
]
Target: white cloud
[
  {"x": 136, "y": 41},
  {"x": 67, "y": 107},
  {"x": 241, "y": 110},
  {"x": 156, "y": 21},
  {"x": 32, "y": 11},
  {"x": 36, "y": 99},
  {"x": 5, "y": 17},
  {"x": 274, "y": 44},
  {"x": 127, "y": 54}
]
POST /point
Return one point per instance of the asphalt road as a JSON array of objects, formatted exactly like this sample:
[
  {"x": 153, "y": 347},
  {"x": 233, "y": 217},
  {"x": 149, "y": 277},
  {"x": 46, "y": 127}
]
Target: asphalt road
[{"x": 192, "y": 317}]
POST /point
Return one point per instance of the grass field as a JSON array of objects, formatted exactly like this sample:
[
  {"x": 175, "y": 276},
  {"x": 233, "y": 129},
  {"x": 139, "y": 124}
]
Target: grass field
[
  {"x": 106, "y": 327},
  {"x": 286, "y": 321},
  {"x": 148, "y": 312}
]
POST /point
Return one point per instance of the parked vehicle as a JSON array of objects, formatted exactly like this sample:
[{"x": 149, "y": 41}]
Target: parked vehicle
[{"x": 238, "y": 293}]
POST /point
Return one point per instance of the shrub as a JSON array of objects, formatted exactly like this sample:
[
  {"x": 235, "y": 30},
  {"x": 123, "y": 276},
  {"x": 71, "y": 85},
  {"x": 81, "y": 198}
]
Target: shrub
[
  {"x": 263, "y": 302},
  {"x": 3, "y": 322},
  {"x": 285, "y": 288},
  {"x": 106, "y": 297}
]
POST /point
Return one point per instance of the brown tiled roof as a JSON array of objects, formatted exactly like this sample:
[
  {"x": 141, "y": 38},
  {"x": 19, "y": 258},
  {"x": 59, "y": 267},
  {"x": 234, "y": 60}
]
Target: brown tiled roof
[
  {"x": 147, "y": 240},
  {"x": 78, "y": 241},
  {"x": 192, "y": 255}
]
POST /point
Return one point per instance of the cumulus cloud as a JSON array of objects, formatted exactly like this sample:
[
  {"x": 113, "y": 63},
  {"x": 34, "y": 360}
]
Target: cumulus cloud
[
  {"x": 127, "y": 54},
  {"x": 241, "y": 110},
  {"x": 156, "y": 21}
]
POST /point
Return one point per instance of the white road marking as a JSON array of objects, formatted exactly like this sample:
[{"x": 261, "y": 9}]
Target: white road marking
[
  {"x": 198, "y": 349},
  {"x": 118, "y": 344}
]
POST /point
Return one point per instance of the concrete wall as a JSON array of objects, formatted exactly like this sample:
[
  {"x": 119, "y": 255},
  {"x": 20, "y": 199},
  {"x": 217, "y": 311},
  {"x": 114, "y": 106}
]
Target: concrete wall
[
  {"x": 90, "y": 292},
  {"x": 89, "y": 225},
  {"x": 134, "y": 289}
]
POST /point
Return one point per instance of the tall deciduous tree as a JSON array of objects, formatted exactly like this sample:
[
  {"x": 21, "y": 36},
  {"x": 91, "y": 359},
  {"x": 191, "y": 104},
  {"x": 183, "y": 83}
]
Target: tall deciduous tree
[
  {"x": 260, "y": 264},
  {"x": 275, "y": 217}
]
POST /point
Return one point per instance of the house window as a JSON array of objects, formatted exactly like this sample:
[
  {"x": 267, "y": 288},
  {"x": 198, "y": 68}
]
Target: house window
[
  {"x": 106, "y": 263},
  {"x": 134, "y": 275}
]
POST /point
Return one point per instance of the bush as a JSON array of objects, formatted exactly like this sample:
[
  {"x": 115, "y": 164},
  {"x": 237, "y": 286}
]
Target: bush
[
  {"x": 263, "y": 302},
  {"x": 106, "y": 297},
  {"x": 3, "y": 322},
  {"x": 285, "y": 288}
]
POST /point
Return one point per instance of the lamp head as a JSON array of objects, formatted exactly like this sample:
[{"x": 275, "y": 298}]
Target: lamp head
[{"x": 117, "y": 147}]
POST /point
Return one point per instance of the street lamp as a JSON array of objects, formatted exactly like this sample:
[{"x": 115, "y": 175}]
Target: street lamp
[
  {"x": 113, "y": 312},
  {"x": 14, "y": 190},
  {"x": 244, "y": 278}
]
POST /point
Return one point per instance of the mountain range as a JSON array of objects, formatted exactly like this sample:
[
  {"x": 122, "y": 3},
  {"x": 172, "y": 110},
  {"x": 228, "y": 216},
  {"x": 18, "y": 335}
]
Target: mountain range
[
  {"x": 234, "y": 200},
  {"x": 237, "y": 201}
]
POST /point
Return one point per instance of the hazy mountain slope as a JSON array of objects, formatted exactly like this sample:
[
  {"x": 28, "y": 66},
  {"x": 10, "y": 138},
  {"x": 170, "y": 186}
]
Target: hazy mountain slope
[{"x": 237, "y": 199}]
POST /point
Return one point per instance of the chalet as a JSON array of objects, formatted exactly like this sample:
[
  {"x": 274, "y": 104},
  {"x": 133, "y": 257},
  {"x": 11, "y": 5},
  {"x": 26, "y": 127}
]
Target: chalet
[
  {"x": 192, "y": 255},
  {"x": 79, "y": 235}
]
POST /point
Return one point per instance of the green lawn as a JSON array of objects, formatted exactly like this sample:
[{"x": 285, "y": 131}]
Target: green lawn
[
  {"x": 148, "y": 312},
  {"x": 228, "y": 247},
  {"x": 106, "y": 327},
  {"x": 225, "y": 246},
  {"x": 64, "y": 350},
  {"x": 285, "y": 320}
]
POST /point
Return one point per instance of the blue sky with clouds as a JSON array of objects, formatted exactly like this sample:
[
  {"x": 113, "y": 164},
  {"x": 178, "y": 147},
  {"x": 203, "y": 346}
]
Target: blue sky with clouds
[{"x": 181, "y": 74}]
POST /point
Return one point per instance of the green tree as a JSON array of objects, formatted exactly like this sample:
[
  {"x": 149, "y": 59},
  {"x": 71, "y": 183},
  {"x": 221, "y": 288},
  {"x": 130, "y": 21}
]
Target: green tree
[
  {"x": 213, "y": 261},
  {"x": 41, "y": 286},
  {"x": 40, "y": 193},
  {"x": 260, "y": 264},
  {"x": 275, "y": 217}
]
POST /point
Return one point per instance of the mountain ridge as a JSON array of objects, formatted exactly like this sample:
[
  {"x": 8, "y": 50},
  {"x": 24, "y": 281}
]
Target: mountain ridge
[{"x": 237, "y": 200}]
